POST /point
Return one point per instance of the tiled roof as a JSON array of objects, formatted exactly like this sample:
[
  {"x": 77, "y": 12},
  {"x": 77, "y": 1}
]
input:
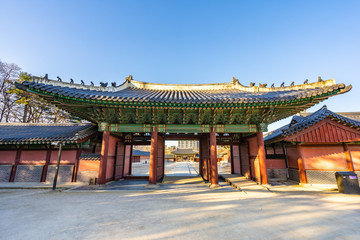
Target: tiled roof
[
  {"x": 35, "y": 133},
  {"x": 140, "y": 153},
  {"x": 300, "y": 123},
  {"x": 135, "y": 91},
  {"x": 184, "y": 151},
  {"x": 90, "y": 156}
]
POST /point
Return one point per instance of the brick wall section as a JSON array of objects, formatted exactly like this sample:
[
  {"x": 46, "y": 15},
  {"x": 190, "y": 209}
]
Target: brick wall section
[
  {"x": 28, "y": 173},
  {"x": 5, "y": 171},
  {"x": 294, "y": 174},
  {"x": 277, "y": 173},
  {"x": 321, "y": 177},
  {"x": 65, "y": 173}
]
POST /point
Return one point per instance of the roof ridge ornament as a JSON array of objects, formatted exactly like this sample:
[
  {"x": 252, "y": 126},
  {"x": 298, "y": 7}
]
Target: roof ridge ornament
[
  {"x": 235, "y": 80},
  {"x": 263, "y": 85},
  {"x": 129, "y": 78}
]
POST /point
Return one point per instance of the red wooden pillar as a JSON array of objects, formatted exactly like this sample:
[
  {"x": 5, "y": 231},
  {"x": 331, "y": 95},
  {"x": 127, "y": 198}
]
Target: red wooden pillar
[
  {"x": 204, "y": 157},
  {"x": 104, "y": 157},
  {"x": 214, "y": 179},
  {"x": 153, "y": 156},
  {"x": 14, "y": 167},
  {"x": 127, "y": 160},
  {"x": 232, "y": 159},
  {"x": 130, "y": 161},
  {"x": 76, "y": 166},
  {"x": 160, "y": 171},
  {"x": 301, "y": 163},
  {"x": 120, "y": 161},
  {"x": 201, "y": 159},
  {"x": 348, "y": 158},
  {"x": 46, "y": 166},
  {"x": 262, "y": 157}
]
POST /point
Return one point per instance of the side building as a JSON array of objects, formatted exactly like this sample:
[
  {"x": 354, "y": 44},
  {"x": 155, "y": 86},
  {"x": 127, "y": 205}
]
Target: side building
[
  {"x": 311, "y": 148},
  {"x": 28, "y": 152}
]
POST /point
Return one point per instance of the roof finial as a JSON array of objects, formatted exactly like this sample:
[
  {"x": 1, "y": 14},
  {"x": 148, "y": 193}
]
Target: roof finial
[
  {"x": 234, "y": 80},
  {"x": 102, "y": 84},
  {"x": 252, "y": 84},
  {"x": 292, "y": 84},
  {"x": 283, "y": 84},
  {"x": 59, "y": 79},
  {"x": 82, "y": 82},
  {"x": 113, "y": 84},
  {"x": 129, "y": 78},
  {"x": 46, "y": 76},
  {"x": 306, "y": 81},
  {"x": 272, "y": 85},
  {"x": 71, "y": 80},
  {"x": 91, "y": 83},
  {"x": 320, "y": 79},
  {"x": 263, "y": 85}
]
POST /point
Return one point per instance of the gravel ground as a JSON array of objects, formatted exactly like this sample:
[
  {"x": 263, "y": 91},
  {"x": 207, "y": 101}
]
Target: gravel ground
[{"x": 185, "y": 211}]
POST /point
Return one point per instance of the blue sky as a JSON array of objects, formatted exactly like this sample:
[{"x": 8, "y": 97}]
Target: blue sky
[{"x": 187, "y": 41}]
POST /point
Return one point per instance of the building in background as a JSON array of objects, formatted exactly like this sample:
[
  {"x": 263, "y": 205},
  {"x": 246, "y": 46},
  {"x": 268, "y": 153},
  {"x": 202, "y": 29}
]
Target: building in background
[
  {"x": 139, "y": 156},
  {"x": 186, "y": 154},
  {"x": 189, "y": 144}
]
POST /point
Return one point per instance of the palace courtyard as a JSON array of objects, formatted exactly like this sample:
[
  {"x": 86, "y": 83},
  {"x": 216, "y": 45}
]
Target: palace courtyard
[{"x": 179, "y": 208}]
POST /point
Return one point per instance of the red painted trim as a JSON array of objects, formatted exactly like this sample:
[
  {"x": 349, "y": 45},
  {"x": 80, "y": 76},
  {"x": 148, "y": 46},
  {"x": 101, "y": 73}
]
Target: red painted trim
[{"x": 14, "y": 167}]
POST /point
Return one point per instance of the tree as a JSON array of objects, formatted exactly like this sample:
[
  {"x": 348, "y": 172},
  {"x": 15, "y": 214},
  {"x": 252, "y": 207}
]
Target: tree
[
  {"x": 20, "y": 106},
  {"x": 8, "y": 74}
]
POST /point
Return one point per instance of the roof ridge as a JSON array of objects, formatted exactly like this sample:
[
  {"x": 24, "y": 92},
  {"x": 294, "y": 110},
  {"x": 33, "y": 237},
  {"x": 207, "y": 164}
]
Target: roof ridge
[{"x": 234, "y": 84}]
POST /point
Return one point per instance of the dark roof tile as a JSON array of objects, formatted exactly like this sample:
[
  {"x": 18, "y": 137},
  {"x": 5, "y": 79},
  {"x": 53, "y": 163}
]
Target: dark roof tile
[{"x": 35, "y": 133}]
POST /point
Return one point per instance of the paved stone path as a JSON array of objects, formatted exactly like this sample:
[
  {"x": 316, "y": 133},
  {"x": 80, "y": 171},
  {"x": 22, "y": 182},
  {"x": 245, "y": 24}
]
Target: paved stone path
[{"x": 182, "y": 169}]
